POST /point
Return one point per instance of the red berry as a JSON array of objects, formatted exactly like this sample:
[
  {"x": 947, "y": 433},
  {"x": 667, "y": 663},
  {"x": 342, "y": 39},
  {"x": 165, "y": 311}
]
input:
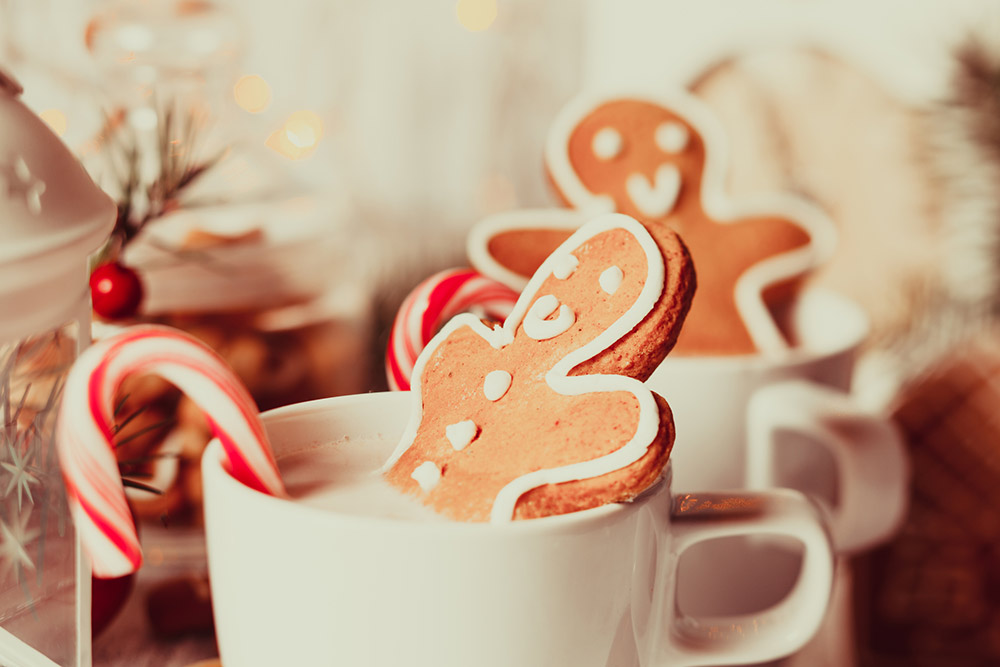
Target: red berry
[
  {"x": 115, "y": 291},
  {"x": 107, "y": 597}
]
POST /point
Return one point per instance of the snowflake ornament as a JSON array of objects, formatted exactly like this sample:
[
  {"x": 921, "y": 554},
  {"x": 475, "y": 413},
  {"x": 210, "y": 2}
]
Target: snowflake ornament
[
  {"x": 21, "y": 184},
  {"x": 22, "y": 473},
  {"x": 15, "y": 538}
]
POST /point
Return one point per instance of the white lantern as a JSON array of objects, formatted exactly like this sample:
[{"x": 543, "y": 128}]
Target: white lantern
[{"x": 52, "y": 217}]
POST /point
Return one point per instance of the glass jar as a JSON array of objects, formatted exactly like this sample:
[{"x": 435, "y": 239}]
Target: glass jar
[
  {"x": 279, "y": 290},
  {"x": 38, "y": 568}
]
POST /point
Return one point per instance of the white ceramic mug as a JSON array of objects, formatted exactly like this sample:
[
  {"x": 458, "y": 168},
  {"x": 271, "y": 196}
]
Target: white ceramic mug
[
  {"x": 757, "y": 422},
  {"x": 294, "y": 584},
  {"x": 739, "y": 421}
]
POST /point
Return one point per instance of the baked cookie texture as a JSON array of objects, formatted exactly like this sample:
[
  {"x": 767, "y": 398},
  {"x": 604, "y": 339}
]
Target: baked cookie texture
[
  {"x": 657, "y": 161},
  {"x": 547, "y": 414}
]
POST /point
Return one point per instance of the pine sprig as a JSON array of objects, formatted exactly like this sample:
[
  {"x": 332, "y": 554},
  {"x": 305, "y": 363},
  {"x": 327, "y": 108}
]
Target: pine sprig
[{"x": 178, "y": 166}]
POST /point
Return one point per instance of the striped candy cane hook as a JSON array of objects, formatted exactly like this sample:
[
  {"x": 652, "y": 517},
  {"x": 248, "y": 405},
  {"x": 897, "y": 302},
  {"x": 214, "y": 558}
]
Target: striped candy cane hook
[
  {"x": 85, "y": 429},
  {"x": 432, "y": 303}
]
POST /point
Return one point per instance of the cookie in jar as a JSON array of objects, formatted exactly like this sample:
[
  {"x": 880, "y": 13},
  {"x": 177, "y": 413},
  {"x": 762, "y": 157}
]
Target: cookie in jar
[{"x": 276, "y": 289}]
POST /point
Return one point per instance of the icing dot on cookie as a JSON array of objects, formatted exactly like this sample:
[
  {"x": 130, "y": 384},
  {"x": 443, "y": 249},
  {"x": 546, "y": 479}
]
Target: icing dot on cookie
[
  {"x": 536, "y": 325},
  {"x": 460, "y": 435},
  {"x": 672, "y": 137},
  {"x": 427, "y": 475},
  {"x": 564, "y": 266},
  {"x": 607, "y": 143},
  {"x": 496, "y": 384},
  {"x": 611, "y": 279}
]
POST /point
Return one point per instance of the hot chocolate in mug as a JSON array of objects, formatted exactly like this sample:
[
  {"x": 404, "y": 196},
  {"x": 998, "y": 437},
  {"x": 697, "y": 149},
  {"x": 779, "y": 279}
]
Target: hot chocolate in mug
[{"x": 348, "y": 572}]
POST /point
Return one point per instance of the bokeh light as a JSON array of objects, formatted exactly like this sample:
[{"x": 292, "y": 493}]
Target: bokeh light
[
  {"x": 252, "y": 93},
  {"x": 476, "y": 15},
  {"x": 298, "y": 136},
  {"x": 304, "y": 129},
  {"x": 56, "y": 120}
]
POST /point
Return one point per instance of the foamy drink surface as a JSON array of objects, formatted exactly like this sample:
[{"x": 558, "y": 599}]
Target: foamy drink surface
[{"x": 344, "y": 477}]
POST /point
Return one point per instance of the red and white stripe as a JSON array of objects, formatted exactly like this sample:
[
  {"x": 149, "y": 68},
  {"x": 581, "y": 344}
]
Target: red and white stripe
[
  {"x": 86, "y": 427},
  {"x": 434, "y": 302}
]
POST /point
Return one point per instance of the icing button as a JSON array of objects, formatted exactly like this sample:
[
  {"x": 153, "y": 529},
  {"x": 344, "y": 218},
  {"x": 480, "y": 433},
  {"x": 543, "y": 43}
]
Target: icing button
[
  {"x": 496, "y": 384},
  {"x": 427, "y": 475},
  {"x": 460, "y": 435}
]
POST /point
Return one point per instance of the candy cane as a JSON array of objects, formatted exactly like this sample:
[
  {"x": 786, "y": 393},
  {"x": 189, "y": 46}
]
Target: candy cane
[
  {"x": 85, "y": 430},
  {"x": 430, "y": 305}
]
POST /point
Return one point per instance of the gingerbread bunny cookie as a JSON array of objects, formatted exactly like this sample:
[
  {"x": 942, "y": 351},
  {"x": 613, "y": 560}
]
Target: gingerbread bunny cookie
[
  {"x": 657, "y": 160},
  {"x": 547, "y": 414}
]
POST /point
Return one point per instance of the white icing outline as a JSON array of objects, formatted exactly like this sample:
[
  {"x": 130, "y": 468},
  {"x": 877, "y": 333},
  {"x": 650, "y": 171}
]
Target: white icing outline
[
  {"x": 537, "y": 327},
  {"x": 477, "y": 244},
  {"x": 716, "y": 204},
  {"x": 558, "y": 377}
]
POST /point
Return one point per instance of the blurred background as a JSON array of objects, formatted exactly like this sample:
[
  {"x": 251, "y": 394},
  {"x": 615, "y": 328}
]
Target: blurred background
[{"x": 289, "y": 170}]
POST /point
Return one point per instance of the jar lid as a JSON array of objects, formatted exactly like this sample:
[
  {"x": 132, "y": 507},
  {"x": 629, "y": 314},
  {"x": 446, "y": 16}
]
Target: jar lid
[
  {"x": 48, "y": 202},
  {"x": 305, "y": 243},
  {"x": 52, "y": 216}
]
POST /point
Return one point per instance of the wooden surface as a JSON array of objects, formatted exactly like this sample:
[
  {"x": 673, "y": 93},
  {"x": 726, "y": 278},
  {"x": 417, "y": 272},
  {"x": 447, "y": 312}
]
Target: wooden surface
[{"x": 129, "y": 641}]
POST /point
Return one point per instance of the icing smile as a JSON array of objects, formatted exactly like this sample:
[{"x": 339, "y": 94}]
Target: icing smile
[{"x": 656, "y": 199}]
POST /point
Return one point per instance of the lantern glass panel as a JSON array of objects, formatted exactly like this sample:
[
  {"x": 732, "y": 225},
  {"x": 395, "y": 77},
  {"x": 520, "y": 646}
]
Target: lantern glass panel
[{"x": 39, "y": 589}]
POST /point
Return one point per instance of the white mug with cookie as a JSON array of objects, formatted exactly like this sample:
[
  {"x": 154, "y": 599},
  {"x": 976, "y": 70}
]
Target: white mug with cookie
[
  {"x": 760, "y": 376},
  {"x": 514, "y": 507},
  {"x": 349, "y": 571},
  {"x": 752, "y": 324}
]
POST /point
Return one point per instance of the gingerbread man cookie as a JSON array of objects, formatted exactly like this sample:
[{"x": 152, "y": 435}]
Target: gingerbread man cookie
[
  {"x": 656, "y": 160},
  {"x": 547, "y": 414}
]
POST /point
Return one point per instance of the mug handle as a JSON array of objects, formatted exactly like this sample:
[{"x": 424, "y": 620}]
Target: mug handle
[
  {"x": 664, "y": 636},
  {"x": 872, "y": 465}
]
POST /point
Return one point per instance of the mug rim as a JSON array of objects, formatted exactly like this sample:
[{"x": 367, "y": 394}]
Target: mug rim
[
  {"x": 796, "y": 355},
  {"x": 588, "y": 519}
]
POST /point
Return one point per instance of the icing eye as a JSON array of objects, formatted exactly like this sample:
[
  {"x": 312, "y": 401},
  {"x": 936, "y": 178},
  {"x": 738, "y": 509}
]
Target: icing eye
[
  {"x": 565, "y": 266},
  {"x": 607, "y": 143},
  {"x": 611, "y": 279},
  {"x": 671, "y": 137}
]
